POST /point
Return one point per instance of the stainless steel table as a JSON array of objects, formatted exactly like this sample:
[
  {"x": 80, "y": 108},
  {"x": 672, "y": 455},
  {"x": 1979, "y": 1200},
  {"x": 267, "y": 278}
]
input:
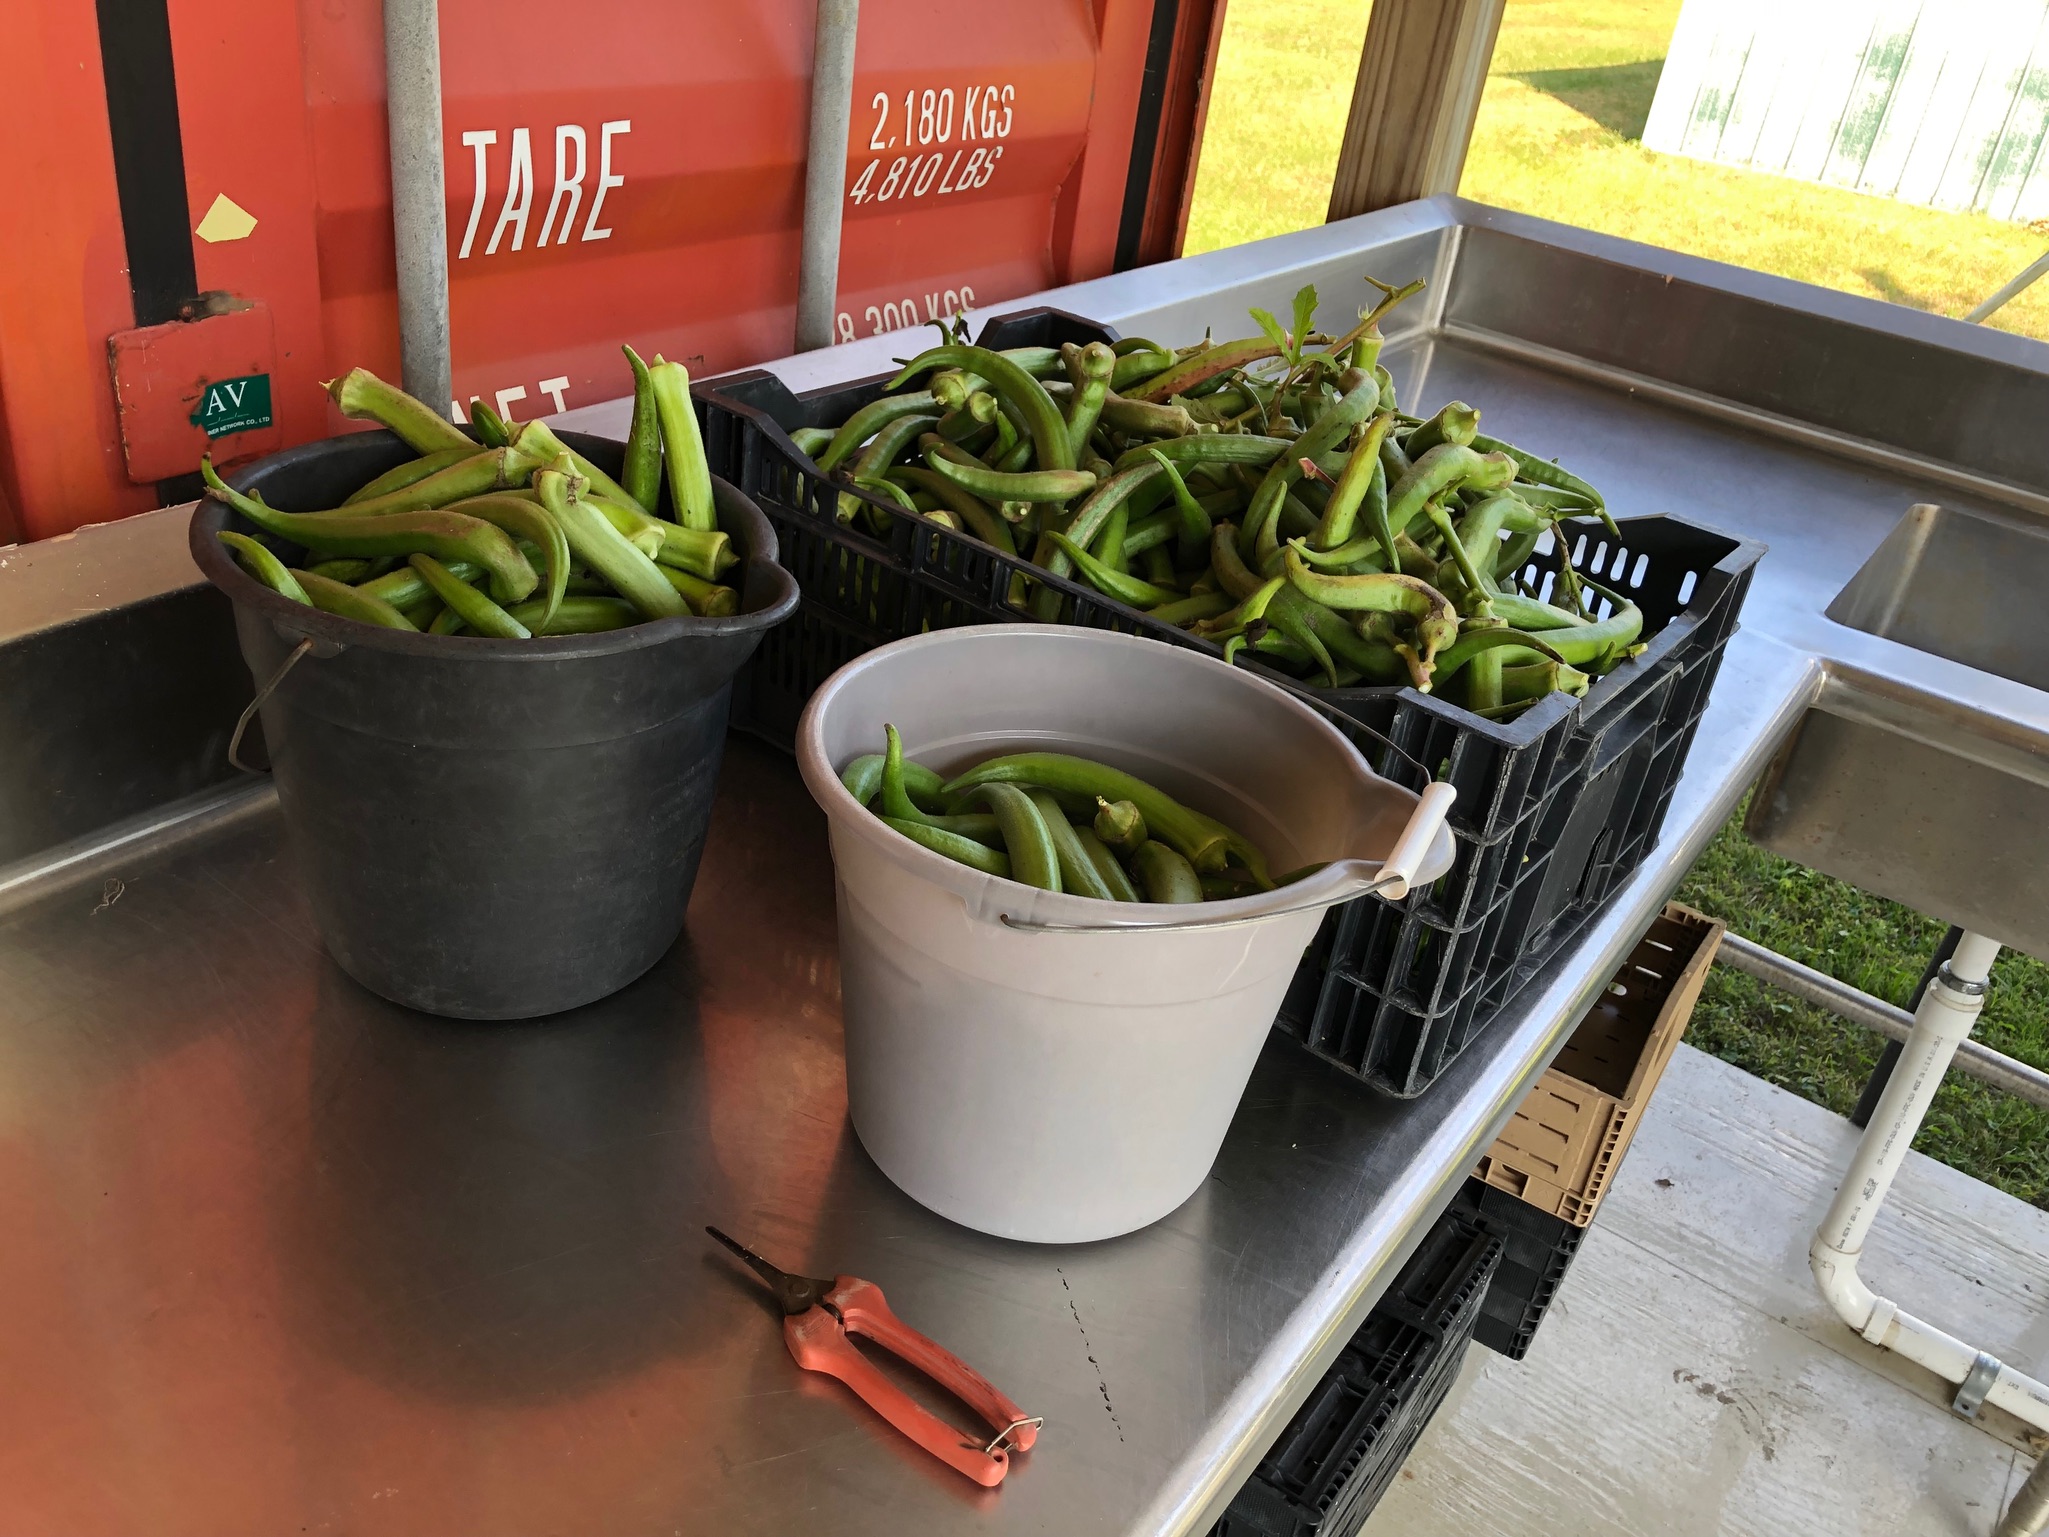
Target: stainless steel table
[{"x": 276, "y": 1256}]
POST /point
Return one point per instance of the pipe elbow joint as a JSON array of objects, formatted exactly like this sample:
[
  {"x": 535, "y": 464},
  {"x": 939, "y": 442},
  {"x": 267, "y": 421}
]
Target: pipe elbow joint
[{"x": 1835, "y": 1272}]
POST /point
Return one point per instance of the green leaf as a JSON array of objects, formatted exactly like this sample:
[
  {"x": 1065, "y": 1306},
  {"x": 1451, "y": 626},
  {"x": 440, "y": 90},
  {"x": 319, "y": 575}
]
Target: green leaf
[
  {"x": 1305, "y": 319},
  {"x": 1272, "y": 328}
]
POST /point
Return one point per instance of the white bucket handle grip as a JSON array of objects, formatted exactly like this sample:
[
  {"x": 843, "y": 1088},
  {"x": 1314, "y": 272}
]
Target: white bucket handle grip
[
  {"x": 1398, "y": 870},
  {"x": 1339, "y": 881}
]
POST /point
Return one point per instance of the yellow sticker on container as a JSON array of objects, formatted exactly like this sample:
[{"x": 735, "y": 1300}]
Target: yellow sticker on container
[{"x": 226, "y": 220}]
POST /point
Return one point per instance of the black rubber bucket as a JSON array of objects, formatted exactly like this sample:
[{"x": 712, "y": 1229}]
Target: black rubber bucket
[{"x": 490, "y": 829}]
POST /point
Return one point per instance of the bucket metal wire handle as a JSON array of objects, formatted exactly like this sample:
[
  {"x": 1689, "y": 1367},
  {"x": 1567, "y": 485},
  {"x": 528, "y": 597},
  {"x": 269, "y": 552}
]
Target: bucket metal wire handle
[
  {"x": 1031, "y": 926},
  {"x": 249, "y": 713},
  {"x": 1397, "y": 872}
]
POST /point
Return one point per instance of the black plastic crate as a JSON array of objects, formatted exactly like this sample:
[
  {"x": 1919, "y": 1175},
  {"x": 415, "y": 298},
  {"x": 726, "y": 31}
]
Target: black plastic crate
[
  {"x": 1345, "y": 1444},
  {"x": 1537, "y": 1250},
  {"x": 1554, "y": 809},
  {"x": 861, "y": 590}
]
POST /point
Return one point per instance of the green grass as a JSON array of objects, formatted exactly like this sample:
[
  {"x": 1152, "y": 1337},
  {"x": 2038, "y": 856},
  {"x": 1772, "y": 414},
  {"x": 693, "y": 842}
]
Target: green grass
[
  {"x": 1565, "y": 104},
  {"x": 1571, "y": 84},
  {"x": 1880, "y": 947}
]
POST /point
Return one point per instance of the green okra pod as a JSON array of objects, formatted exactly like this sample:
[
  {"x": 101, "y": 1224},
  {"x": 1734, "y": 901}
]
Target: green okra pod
[
  {"x": 1090, "y": 369},
  {"x": 1195, "y": 528},
  {"x": 1033, "y": 858},
  {"x": 1125, "y": 588},
  {"x": 1533, "y": 680},
  {"x": 489, "y": 426},
  {"x": 1206, "y": 843},
  {"x": 894, "y": 786},
  {"x": 1043, "y": 485},
  {"x": 1210, "y": 363},
  {"x": 346, "y": 602},
  {"x": 577, "y": 616},
  {"x": 1112, "y": 873},
  {"x": 1078, "y": 873},
  {"x": 353, "y": 569},
  {"x": 401, "y": 476},
  {"x": 595, "y": 542},
  {"x": 707, "y": 554},
  {"x": 405, "y": 588},
  {"x": 1448, "y": 467},
  {"x": 1191, "y": 609},
  {"x": 1543, "y": 472},
  {"x": 1455, "y": 422},
  {"x": 707, "y": 600},
  {"x": 863, "y": 779},
  {"x": 538, "y": 441},
  {"x": 1137, "y": 365},
  {"x": 474, "y": 608},
  {"x": 1526, "y": 613},
  {"x": 879, "y": 454},
  {"x": 1598, "y": 643},
  {"x": 1436, "y": 620},
  {"x": 257, "y": 559},
  {"x": 447, "y": 536},
  {"x": 1143, "y": 419},
  {"x": 363, "y": 397},
  {"x": 1120, "y": 824},
  {"x": 1329, "y": 430},
  {"x": 683, "y": 460},
  {"x": 1149, "y": 537},
  {"x": 478, "y": 474},
  {"x": 529, "y": 521},
  {"x": 1354, "y": 485},
  {"x": 1233, "y": 575},
  {"x": 976, "y": 515},
  {"x": 1110, "y": 548},
  {"x": 641, "y": 473},
  {"x": 1245, "y": 448},
  {"x": 1164, "y": 875},
  {"x": 1047, "y": 428},
  {"x": 1520, "y": 646},
  {"x": 811, "y": 441},
  {"x": 964, "y": 851}
]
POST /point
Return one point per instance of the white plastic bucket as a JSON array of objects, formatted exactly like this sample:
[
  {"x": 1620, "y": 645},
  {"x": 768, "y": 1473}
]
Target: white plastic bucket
[{"x": 1011, "y": 1064}]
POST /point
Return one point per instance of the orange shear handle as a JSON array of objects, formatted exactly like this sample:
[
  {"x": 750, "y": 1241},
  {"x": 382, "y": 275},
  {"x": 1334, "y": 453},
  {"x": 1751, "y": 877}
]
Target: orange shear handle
[
  {"x": 819, "y": 1344},
  {"x": 862, "y": 1305}
]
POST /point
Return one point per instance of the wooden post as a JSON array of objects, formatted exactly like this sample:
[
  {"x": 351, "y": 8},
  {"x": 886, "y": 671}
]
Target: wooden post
[{"x": 1418, "y": 91}]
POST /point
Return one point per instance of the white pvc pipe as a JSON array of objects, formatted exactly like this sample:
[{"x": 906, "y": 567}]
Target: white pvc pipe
[{"x": 1948, "y": 1010}]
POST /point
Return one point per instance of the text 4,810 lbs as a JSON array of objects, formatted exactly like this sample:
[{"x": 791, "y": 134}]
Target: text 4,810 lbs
[{"x": 949, "y": 142}]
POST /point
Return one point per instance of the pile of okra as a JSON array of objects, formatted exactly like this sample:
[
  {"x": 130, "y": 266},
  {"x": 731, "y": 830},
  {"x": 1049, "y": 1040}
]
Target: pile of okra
[
  {"x": 1269, "y": 494},
  {"x": 1062, "y": 823},
  {"x": 509, "y": 534}
]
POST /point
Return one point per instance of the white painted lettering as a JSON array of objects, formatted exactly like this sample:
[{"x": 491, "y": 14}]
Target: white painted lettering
[
  {"x": 565, "y": 135},
  {"x": 606, "y": 180},
  {"x": 555, "y": 388},
  {"x": 507, "y": 397},
  {"x": 519, "y": 194},
  {"x": 476, "y": 139}
]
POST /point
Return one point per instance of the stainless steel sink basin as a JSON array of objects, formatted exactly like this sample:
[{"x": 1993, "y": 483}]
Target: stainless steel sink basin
[
  {"x": 1963, "y": 585},
  {"x": 1925, "y": 778}
]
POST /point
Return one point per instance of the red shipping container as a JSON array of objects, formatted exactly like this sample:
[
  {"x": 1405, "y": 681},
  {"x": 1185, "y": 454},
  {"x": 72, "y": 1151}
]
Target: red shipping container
[{"x": 622, "y": 172}]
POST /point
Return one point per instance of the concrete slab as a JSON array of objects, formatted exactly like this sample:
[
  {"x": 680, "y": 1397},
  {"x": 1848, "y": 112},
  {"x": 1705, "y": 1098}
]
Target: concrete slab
[{"x": 1689, "y": 1380}]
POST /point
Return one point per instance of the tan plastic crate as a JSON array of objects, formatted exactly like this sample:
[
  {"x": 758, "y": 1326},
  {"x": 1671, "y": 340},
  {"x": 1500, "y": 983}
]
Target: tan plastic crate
[{"x": 1565, "y": 1142}]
